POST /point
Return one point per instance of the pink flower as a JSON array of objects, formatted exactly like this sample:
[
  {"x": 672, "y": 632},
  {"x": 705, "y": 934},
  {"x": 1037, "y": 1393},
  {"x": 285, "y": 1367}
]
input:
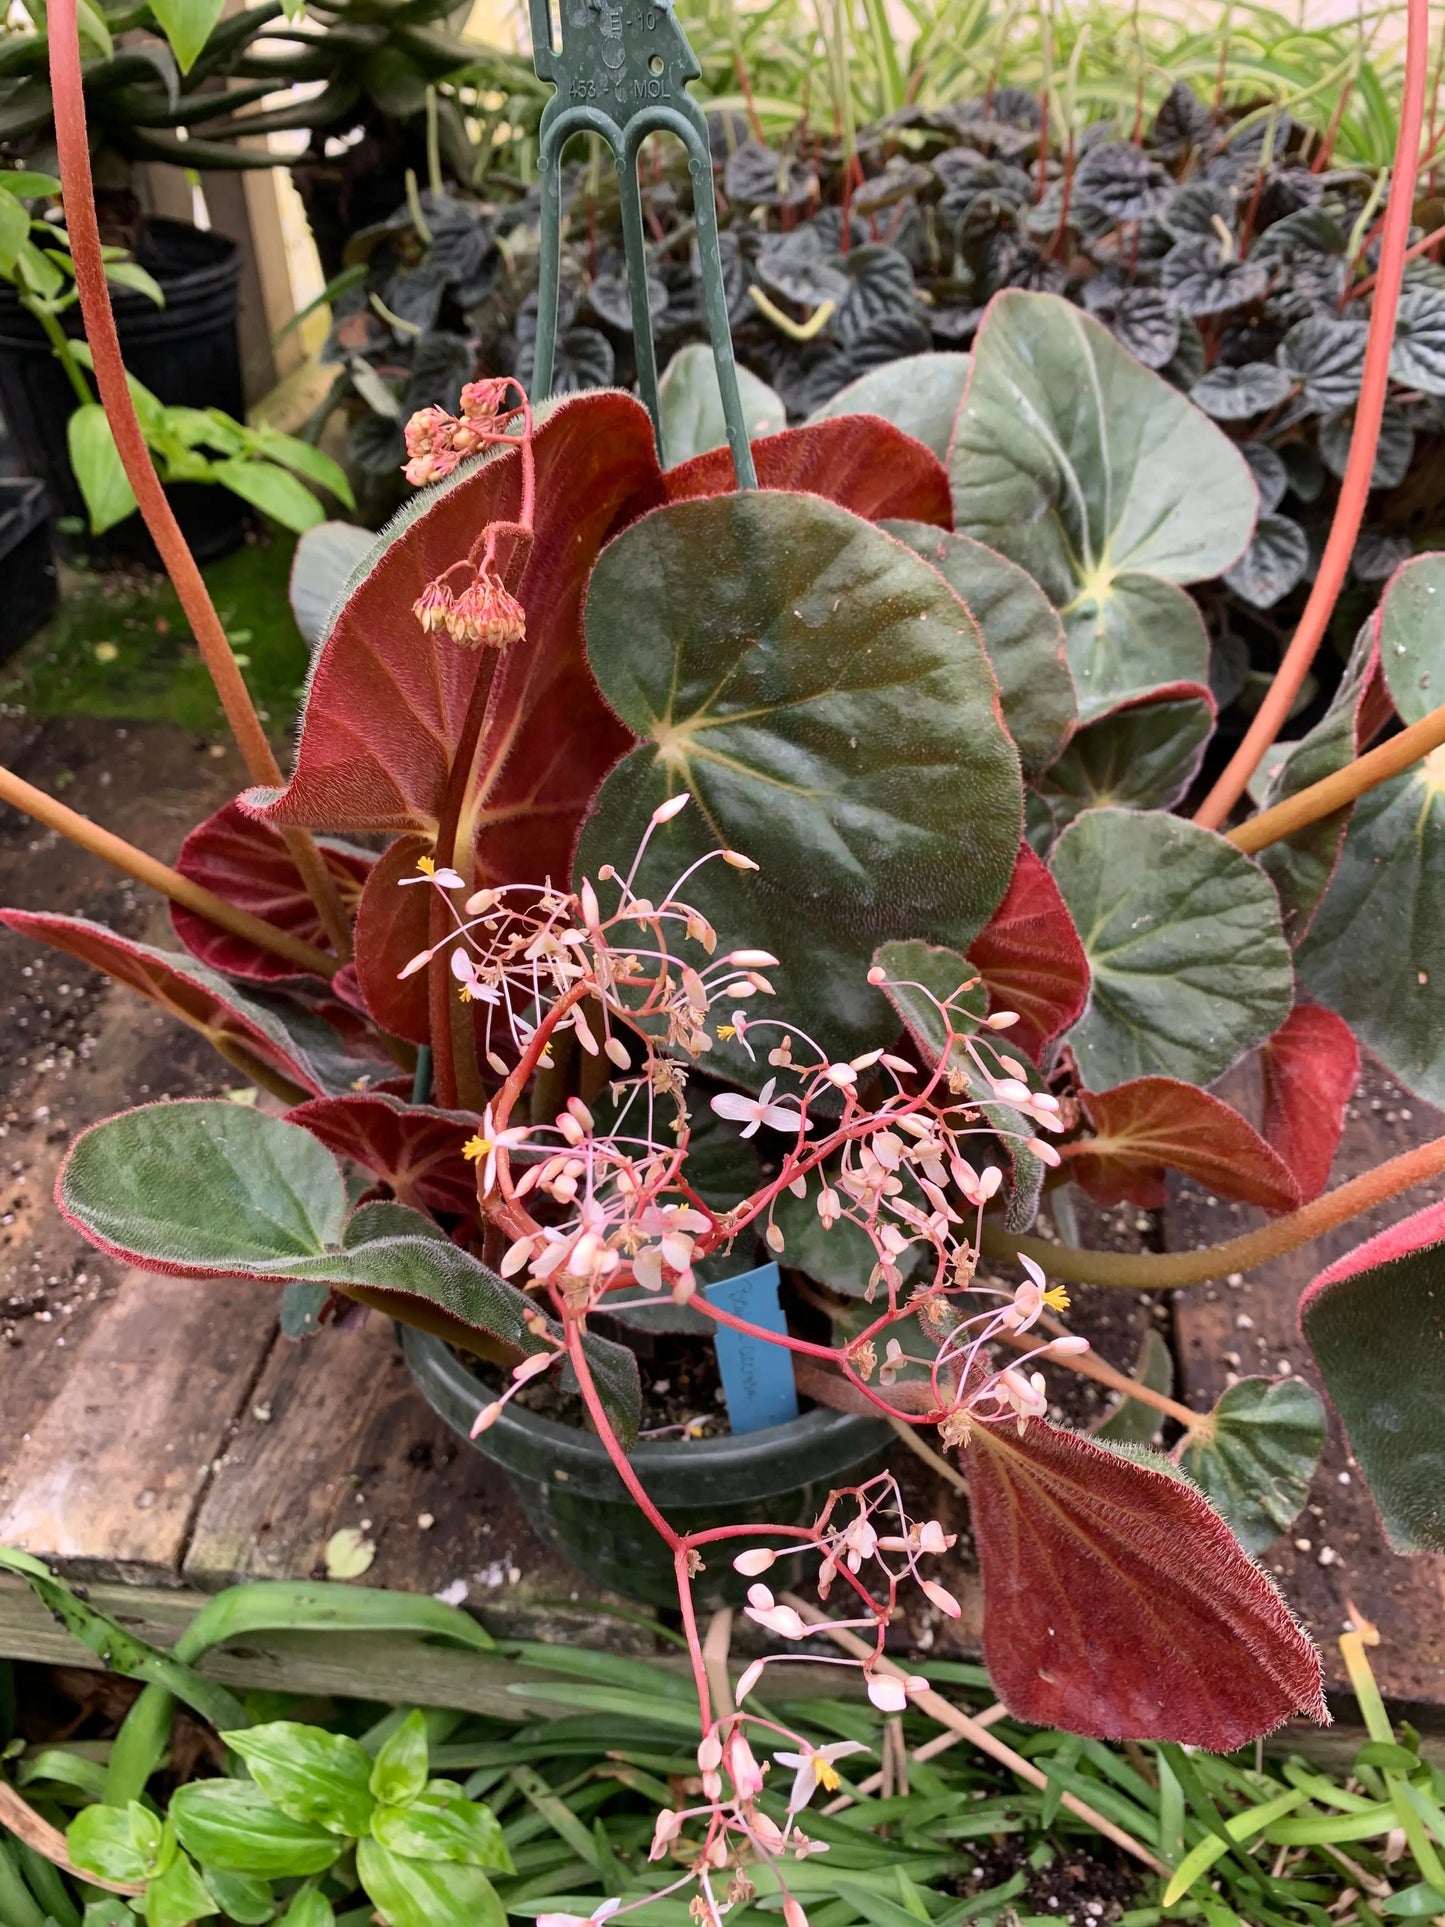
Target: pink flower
[
  {"x": 751, "y": 1112},
  {"x": 428, "y": 429},
  {"x": 743, "y": 1768},
  {"x": 432, "y": 467},
  {"x": 604, "y": 1912},
  {"x": 486, "y": 612},
  {"x": 433, "y": 606},
  {"x": 814, "y": 1768},
  {"x": 482, "y": 401},
  {"x": 782, "y": 1620},
  {"x": 669, "y": 1826}
]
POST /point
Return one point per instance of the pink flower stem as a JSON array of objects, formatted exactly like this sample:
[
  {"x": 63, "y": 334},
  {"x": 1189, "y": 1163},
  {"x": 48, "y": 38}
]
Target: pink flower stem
[{"x": 1369, "y": 412}]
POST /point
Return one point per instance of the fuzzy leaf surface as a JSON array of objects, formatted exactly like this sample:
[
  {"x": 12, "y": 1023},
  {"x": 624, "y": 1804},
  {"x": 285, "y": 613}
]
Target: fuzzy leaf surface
[
  {"x": 1153, "y": 1125},
  {"x": 1310, "y": 1068},
  {"x": 1375, "y": 953},
  {"x": 1141, "y": 756},
  {"x": 414, "y": 1148},
  {"x": 257, "y": 1037},
  {"x": 247, "y": 863},
  {"x": 691, "y": 403},
  {"x": 1030, "y": 957},
  {"x": 1256, "y": 1465},
  {"x": 205, "y": 1189},
  {"x": 1022, "y": 636},
  {"x": 1188, "y": 963},
  {"x": 1119, "y": 1605},
  {"x": 919, "y": 394},
  {"x": 859, "y": 462},
  {"x": 1091, "y": 472},
  {"x": 1376, "y": 1325},
  {"x": 825, "y": 698}
]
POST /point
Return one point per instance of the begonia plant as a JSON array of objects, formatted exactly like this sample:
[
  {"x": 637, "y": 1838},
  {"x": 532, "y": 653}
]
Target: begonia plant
[{"x": 835, "y": 814}]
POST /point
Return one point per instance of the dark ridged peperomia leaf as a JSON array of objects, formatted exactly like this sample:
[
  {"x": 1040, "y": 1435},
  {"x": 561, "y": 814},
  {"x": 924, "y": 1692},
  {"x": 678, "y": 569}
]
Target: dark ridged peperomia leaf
[
  {"x": 1376, "y": 950},
  {"x": 1103, "y": 482},
  {"x": 1189, "y": 966},
  {"x": 1324, "y": 355},
  {"x": 1021, "y": 633},
  {"x": 1418, "y": 358},
  {"x": 1376, "y": 1324},
  {"x": 1255, "y": 1461},
  {"x": 1234, "y": 394},
  {"x": 205, "y": 1189},
  {"x": 1118, "y": 1604},
  {"x": 1274, "y": 562},
  {"x": 824, "y": 696},
  {"x": 1203, "y": 276}
]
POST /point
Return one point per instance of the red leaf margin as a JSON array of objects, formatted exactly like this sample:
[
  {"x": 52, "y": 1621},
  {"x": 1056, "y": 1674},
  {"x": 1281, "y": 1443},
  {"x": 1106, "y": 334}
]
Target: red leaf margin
[
  {"x": 1119, "y": 1605},
  {"x": 1151, "y": 1125}
]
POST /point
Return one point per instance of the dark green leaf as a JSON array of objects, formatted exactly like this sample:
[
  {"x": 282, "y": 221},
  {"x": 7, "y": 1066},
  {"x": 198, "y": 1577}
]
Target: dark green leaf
[
  {"x": 825, "y": 698},
  {"x": 1133, "y": 1423},
  {"x": 1418, "y": 359},
  {"x": 1326, "y": 354},
  {"x": 130, "y": 274},
  {"x": 1376, "y": 1325},
  {"x": 1271, "y": 477},
  {"x": 1189, "y": 964},
  {"x": 1234, "y": 394},
  {"x": 1373, "y": 953},
  {"x": 1022, "y": 637},
  {"x": 231, "y": 1825},
  {"x": 879, "y": 283},
  {"x": 291, "y": 452},
  {"x": 760, "y": 177},
  {"x": 1141, "y": 756},
  {"x": 1393, "y": 452},
  {"x": 1093, "y": 474},
  {"x": 400, "y": 1770},
  {"x": 1122, "y": 180},
  {"x": 1204, "y": 277},
  {"x": 692, "y": 410},
  {"x": 1143, "y": 323},
  {"x": 427, "y": 1893},
  {"x": 308, "y": 1773},
  {"x": 14, "y": 229},
  {"x": 1272, "y": 564},
  {"x": 1255, "y": 1462},
  {"x": 918, "y": 393}
]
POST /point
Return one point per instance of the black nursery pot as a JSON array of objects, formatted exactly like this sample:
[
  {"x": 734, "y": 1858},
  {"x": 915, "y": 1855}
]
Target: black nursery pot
[
  {"x": 576, "y": 1502},
  {"x": 27, "y": 569},
  {"x": 186, "y": 353}
]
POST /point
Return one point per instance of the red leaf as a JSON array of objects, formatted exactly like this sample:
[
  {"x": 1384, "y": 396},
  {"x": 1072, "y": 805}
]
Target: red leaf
[
  {"x": 236, "y": 1026},
  {"x": 386, "y": 705},
  {"x": 858, "y": 461},
  {"x": 1030, "y": 957},
  {"x": 1119, "y": 1605},
  {"x": 392, "y": 926},
  {"x": 415, "y": 1149},
  {"x": 1156, "y": 1124},
  {"x": 247, "y": 863},
  {"x": 1311, "y": 1066}
]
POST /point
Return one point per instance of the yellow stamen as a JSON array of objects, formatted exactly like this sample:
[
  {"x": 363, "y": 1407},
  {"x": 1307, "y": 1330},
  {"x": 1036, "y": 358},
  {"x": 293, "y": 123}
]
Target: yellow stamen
[
  {"x": 477, "y": 1148},
  {"x": 465, "y": 993},
  {"x": 727, "y": 1030},
  {"x": 826, "y": 1775},
  {"x": 1056, "y": 1298},
  {"x": 427, "y": 865}
]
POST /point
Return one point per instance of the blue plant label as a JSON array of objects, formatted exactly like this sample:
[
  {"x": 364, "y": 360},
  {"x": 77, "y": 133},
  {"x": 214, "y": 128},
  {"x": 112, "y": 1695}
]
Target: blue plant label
[{"x": 757, "y": 1377}]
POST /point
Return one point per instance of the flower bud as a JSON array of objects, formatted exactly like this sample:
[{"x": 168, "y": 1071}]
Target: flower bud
[{"x": 755, "y": 1560}]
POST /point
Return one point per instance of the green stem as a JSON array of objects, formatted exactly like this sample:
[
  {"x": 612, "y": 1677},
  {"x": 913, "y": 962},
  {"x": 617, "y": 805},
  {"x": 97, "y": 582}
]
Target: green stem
[
  {"x": 60, "y": 343},
  {"x": 433, "y": 144},
  {"x": 1168, "y": 1270}
]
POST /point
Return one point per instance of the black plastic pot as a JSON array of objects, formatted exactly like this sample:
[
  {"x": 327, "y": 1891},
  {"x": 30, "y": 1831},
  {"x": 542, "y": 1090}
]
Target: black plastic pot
[
  {"x": 577, "y": 1503},
  {"x": 186, "y": 353},
  {"x": 27, "y": 568}
]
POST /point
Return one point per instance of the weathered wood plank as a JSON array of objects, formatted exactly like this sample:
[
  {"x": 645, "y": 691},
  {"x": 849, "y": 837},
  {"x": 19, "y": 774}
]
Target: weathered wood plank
[
  {"x": 1335, "y": 1558},
  {"x": 108, "y": 1476},
  {"x": 336, "y": 1435}
]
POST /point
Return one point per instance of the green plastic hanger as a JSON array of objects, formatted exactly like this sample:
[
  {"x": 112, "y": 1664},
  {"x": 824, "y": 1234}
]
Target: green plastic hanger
[{"x": 621, "y": 72}]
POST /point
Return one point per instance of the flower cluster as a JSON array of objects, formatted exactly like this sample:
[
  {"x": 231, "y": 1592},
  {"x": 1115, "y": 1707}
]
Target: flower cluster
[
  {"x": 485, "y": 611},
  {"x": 437, "y": 441},
  {"x": 600, "y": 1204}
]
